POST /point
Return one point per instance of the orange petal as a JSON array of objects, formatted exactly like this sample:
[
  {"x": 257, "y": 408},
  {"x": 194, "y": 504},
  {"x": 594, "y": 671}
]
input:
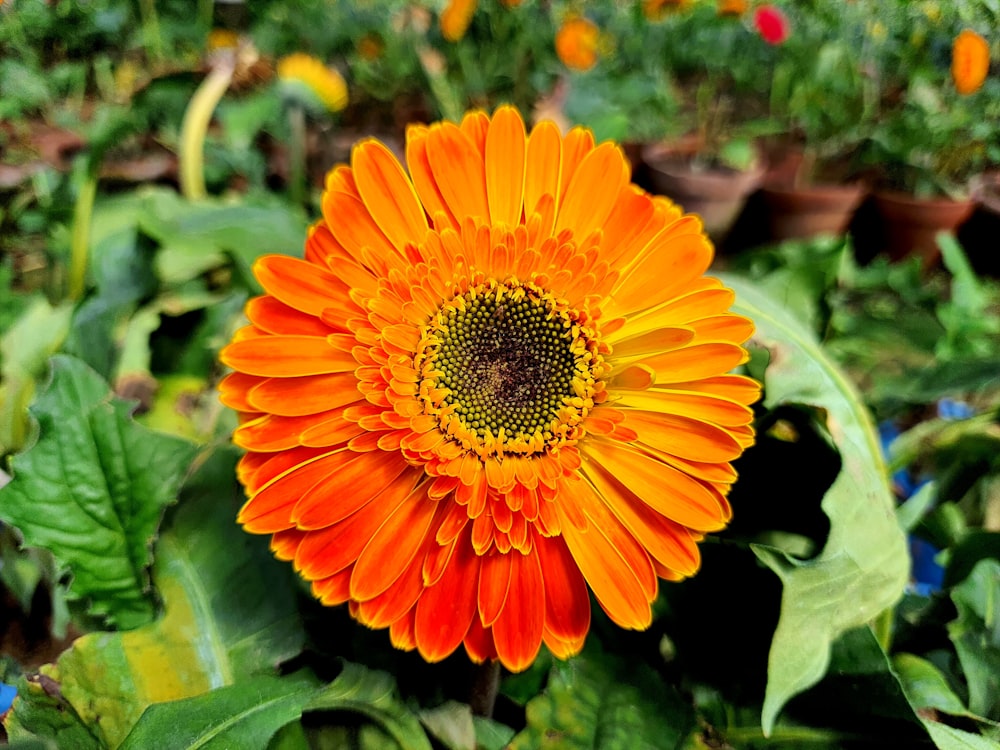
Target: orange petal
[
  {"x": 542, "y": 166},
  {"x": 281, "y": 493},
  {"x": 576, "y": 145},
  {"x": 394, "y": 546},
  {"x": 517, "y": 633},
  {"x": 419, "y": 166},
  {"x": 286, "y": 356},
  {"x": 686, "y": 437},
  {"x": 323, "y": 552},
  {"x": 701, "y": 406},
  {"x": 273, "y": 433},
  {"x": 332, "y": 590},
  {"x": 299, "y": 284},
  {"x": 593, "y": 191},
  {"x": 274, "y": 316},
  {"x": 695, "y": 362},
  {"x": 352, "y": 224},
  {"x": 494, "y": 583},
  {"x": 567, "y": 606},
  {"x": 311, "y": 394},
  {"x": 505, "y": 149},
  {"x": 446, "y": 610},
  {"x": 665, "y": 541},
  {"x": 665, "y": 489},
  {"x": 459, "y": 171},
  {"x": 353, "y": 479},
  {"x": 669, "y": 264},
  {"x": 479, "y": 643},
  {"x": 651, "y": 342},
  {"x": 738, "y": 388},
  {"x": 388, "y": 194},
  {"x": 620, "y": 589}
]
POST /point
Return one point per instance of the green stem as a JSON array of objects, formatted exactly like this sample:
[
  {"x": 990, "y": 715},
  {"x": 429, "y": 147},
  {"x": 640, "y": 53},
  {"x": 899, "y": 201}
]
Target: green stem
[
  {"x": 195, "y": 126},
  {"x": 151, "y": 31},
  {"x": 79, "y": 245},
  {"x": 485, "y": 686},
  {"x": 297, "y": 154},
  {"x": 740, "y": 736}
]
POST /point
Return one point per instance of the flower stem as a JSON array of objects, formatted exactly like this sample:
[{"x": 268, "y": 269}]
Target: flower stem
[
  {"x": 485, "y": 685},
  {"x": 298, "y": 188},
  {"x": 195, "y": 126},
  {"x": 79, "y": 246}
]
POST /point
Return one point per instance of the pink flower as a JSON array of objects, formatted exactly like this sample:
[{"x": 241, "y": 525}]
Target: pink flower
[{"x": 771, "y": 24}]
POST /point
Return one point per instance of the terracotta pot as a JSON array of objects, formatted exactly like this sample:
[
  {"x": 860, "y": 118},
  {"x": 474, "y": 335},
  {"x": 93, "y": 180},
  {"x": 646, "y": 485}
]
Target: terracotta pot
[
  {"x": 717, "y": 195},
  {"x": 811, "y": 210},
  {"x": 910, "y": 225}
]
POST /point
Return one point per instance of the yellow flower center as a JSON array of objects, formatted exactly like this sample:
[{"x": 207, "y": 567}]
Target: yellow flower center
[{"x": 507, "y": 367}]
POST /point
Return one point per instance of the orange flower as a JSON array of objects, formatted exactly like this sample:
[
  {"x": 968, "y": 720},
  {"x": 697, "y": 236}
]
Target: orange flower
[
  {"x": 370, "y": 47},
  {"x": 732, "y": 7},
  {"x": 576, "y": 43},
  {"x": 656, "y": 10},
  {"x": 455, "y": 19},
  {"x": 489, "y": 385},
  {"x": 970, "y": 61}
]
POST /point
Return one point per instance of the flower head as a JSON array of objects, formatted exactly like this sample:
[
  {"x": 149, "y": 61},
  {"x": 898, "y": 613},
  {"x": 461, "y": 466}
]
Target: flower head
[
  {"x": 772, "y": 24},
  {"x": 970, "y": 61},
  {"x": 455, "y": 18},
  {"x": 577, "y": 43},
  {"x": 307, "y": 80},
  {"x": 491, "y": 384},
  {"x": 732, "y": 7}
]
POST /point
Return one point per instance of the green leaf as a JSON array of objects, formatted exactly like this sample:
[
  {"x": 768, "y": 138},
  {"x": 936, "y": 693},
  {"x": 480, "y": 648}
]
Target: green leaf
[
  {"x": 864, "y": 565},
  {"x": 372, "y": 694},
  {"x": 925, "y": 686},
  {"x": 976, "y": 635},
  {"x": 92, "y": 490},
  {"x": 949, "y": 738},
  {"x": 599, "y": 702},
  {"x": 230, "y": 614},
  {"x": 24, "y": 349},
  {"x": 41, "y": 713},
  {"x": 490, "y": 734},
  {"x": 245, "y": 715},
  {"x": 451, "y": 724}
]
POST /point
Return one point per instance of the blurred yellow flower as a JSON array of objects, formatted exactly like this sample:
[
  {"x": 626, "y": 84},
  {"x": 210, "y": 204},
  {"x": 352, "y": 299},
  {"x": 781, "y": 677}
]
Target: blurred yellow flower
[
  {"x": 222, "y": 39},
  {"x": 970, "y": 61},
  {"x": 310, "y": 82},
  {"x": 455, "y": 19},
  {"x": 732, "y": 7},
  {"x": 576, "y": 43}
]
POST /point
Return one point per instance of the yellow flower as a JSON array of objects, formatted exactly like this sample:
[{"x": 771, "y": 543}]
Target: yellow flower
[
  {"x": 455, "y": 19},
  {"x": 310, "y": 82},
  {"x": 497, "y": 379},
  {"x": 576, "y": 43},
  {"x": 970, "y": 61},
  {"x": 222, "y": 39}
]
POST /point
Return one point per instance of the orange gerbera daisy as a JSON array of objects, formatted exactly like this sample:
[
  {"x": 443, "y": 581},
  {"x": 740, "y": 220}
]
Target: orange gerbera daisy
[{"x": 488, "y": 385}]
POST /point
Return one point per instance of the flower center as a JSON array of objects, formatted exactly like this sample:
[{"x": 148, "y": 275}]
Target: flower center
[{"x": 507, "y": 367}]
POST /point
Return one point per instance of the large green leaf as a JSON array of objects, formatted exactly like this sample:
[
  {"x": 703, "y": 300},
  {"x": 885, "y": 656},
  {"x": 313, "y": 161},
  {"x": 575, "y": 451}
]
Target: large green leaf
[
  {"x": 598, "y": 702},
  {"x": 230, "y": 614},
  {"x": 92, "y": 490},
  {"x": 372, "y": 694},
  {"x": 863, "y": 567},
  {"x": 245, "y": 715}
]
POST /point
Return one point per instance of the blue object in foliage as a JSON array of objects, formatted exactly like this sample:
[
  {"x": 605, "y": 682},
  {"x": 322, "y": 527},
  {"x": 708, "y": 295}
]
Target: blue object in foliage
[
  {"x": 949, "y": 408},
  {"x": 7, "y": 695}
]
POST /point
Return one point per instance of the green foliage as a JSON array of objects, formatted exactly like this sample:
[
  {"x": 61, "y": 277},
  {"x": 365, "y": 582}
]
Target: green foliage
[
  {"x": 864, "y": 561},
  {"x": 598, "y": 701},
  {"x": 92, "y": 490}
]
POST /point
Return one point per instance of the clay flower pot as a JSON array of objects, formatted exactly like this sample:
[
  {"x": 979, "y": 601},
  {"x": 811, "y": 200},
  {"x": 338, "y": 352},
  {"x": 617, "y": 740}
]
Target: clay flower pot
[
  {"x": 911, "y": 225},
  {"x": 808, "y": 211},
  {"x": 717, "y": 195}
]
